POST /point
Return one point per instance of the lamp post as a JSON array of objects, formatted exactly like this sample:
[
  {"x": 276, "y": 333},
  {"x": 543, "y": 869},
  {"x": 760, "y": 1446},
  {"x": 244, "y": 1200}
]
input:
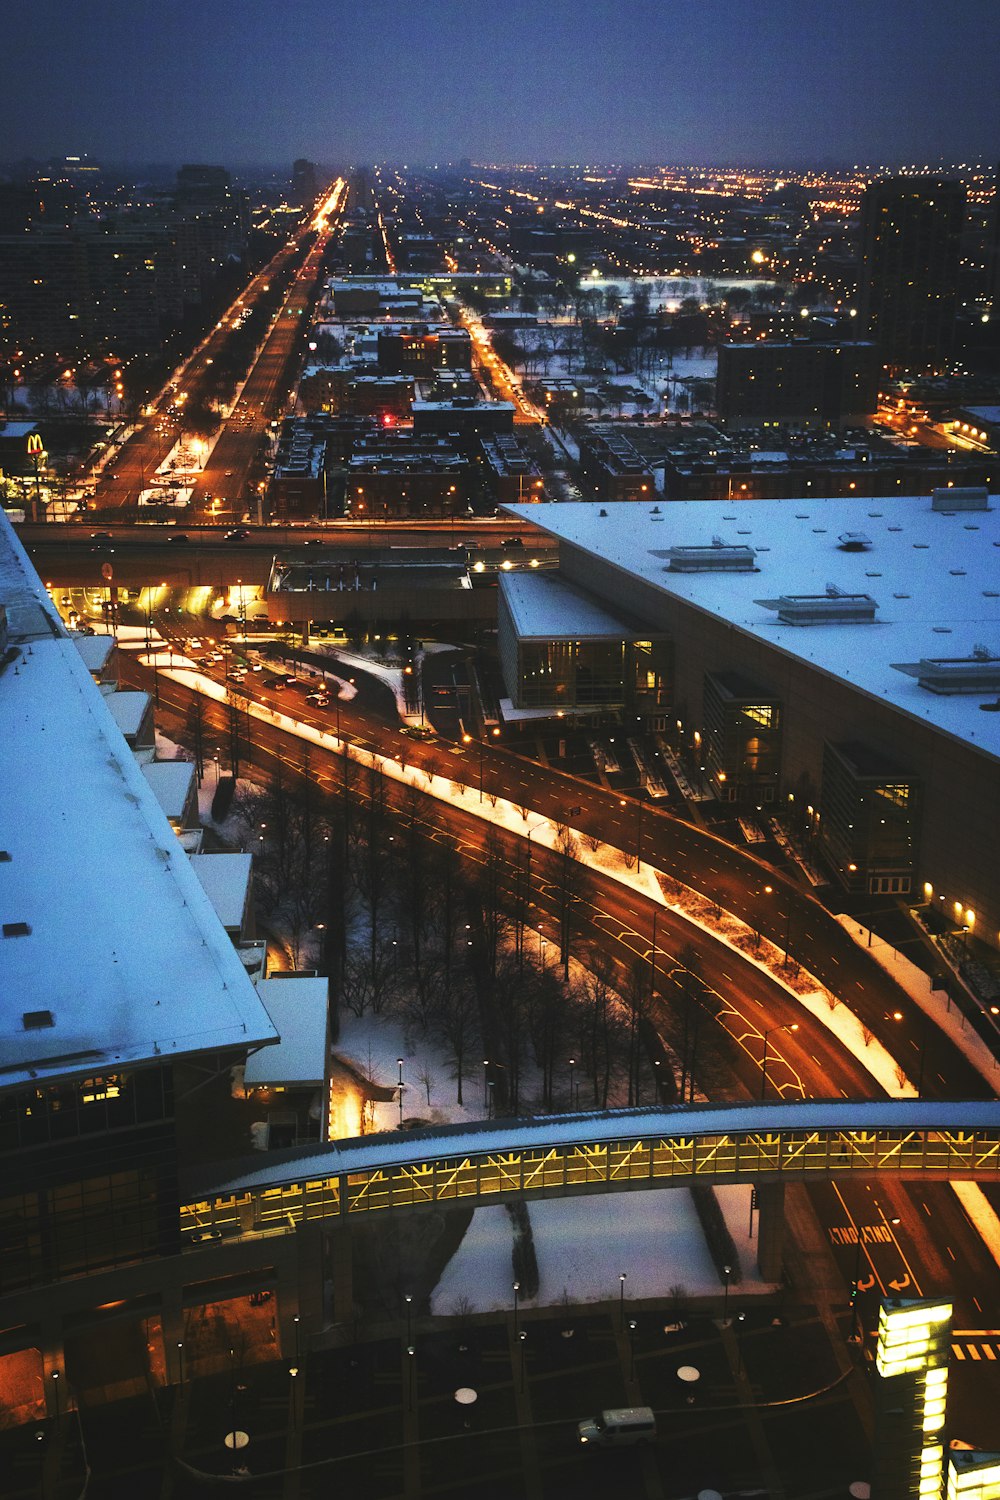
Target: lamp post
[
  {"x": 180, "y": 1362},
  {"x": 727, "y": 1271},
  {"x": 486, "y": 1081},
  {"x": 572, "y": 1069},
  {"x": 399, "y": 1060},
  {"x": 409, "y": 1317},
  {"x": 632, "y": 1325},
  {"x": 794, "y": 1026},
  {"x": 621, "y": 1297},
  {"x": 467, "y": 740},
  {"x": 622, "y": 802},
  {"x": 897, "y": 1015},
  {"x": 522, "y": 1339},
  {"x": 55, "y": 1389},
  {"x": 517, "y": 1288},
  {"x": 769, "y": 890}
]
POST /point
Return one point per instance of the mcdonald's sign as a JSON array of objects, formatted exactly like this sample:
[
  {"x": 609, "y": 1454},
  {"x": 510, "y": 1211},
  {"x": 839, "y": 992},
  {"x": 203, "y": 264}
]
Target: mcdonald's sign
[{"x": 35, "y": 444}]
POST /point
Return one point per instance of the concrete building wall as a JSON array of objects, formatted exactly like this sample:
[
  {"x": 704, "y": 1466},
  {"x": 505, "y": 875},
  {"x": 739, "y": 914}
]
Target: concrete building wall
[{"x": 959, "y": 828}]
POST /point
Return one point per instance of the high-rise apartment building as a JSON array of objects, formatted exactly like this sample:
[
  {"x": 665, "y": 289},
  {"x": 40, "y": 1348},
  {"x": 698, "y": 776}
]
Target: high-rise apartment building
[
  {"x": 305, "y": 182},
  {"x": 910, "y": 229}
]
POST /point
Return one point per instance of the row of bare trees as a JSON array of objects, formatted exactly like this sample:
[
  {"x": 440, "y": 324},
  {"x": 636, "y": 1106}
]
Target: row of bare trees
[{"x": 367, "y": 886}]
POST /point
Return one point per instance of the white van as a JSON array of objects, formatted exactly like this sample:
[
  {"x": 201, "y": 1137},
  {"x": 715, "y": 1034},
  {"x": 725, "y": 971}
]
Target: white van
[{"x": 619, "y": 1426}]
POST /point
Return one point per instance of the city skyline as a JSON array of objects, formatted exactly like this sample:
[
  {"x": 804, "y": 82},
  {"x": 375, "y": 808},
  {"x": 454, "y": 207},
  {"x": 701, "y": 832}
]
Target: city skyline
[{"x": 567, "y": 83}]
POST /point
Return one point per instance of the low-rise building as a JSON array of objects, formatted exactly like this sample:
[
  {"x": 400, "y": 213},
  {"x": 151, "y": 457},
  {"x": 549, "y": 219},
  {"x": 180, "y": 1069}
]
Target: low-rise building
[
  {"x": 611, "y": 465},
  {"x": 839, "y": 657},
  {"x": 797, "y": 383}
]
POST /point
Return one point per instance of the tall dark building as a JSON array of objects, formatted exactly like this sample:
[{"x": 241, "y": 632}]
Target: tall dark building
[
  {"x": 993, "y": 252},
  {"x": 305, "y": 182},
  {"x": 910, "y": 229}
]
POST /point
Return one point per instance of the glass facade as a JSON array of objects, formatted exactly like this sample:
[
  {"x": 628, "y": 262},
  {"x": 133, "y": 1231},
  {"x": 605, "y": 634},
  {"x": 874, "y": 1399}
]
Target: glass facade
[
  {"x": 577, "y": 1167},
  {"x": 89, "y": 1176},
  {"x": 742, "y": 738},
  {"x": 869, "y": 820}
]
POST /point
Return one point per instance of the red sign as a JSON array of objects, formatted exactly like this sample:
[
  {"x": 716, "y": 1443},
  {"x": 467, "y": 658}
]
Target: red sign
[{"x": 107, "y": 571}]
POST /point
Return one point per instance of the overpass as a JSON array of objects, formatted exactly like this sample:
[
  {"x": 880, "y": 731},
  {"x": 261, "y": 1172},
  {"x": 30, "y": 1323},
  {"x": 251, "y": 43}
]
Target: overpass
[{"x": 765, "y": 1145}]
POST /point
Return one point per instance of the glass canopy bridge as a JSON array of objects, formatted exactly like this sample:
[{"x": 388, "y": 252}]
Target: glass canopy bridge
[{"x": 616, "y": 1150}]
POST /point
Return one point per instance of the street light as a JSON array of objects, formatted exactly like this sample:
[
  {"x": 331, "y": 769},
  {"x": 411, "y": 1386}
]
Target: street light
[
  {"x": 897, "y": 1015},
  {"x": 621, "y": 1296},
  {"x": 622, "y": 802},
  {"x": 572, "y": 1067},
  {"x": 727, "y": 1271},
  {"x": 401, "y": 1087},
  {"x": 794, "y": 1026},
  {"x": 517, "y": 1288},
  {"x": 467, "y": 740},
  {"x": 632, "y": 1325}
]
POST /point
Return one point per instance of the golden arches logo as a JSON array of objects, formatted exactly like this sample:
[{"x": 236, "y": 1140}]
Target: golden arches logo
[{"x": 35, "y": 443}]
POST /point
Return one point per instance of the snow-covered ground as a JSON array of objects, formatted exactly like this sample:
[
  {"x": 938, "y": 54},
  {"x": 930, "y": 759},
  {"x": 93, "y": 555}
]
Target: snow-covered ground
[{"x": 583, "y": 1245}]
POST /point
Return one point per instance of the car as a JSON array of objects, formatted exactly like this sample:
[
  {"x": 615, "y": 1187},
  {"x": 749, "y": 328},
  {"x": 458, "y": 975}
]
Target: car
[
  {"x": 194, "y": 642},
  {"x": 238, "y": 534},
  {"x": 101, "y": 536},
  {"x": 318, "y": 700},
  {"x": 512, "y": 541},
  {"x": 314, "y": 541},
  {"x": 179, "y": 536}
]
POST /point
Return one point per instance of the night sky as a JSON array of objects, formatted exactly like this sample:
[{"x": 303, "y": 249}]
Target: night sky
[{"x": 779, "y": 82}]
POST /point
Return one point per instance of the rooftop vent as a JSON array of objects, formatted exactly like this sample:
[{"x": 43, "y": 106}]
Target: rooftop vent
[
  {"x": 978, "y": 673},
  {"x": 853, "y": 541},
  {"x": 37, "y": 1020},
  {"x": 16, "y": 929},
  {"x": 720, "y": 557},
  {"x": 961, "y": 497},
  {"x": 835, "y": 607}
]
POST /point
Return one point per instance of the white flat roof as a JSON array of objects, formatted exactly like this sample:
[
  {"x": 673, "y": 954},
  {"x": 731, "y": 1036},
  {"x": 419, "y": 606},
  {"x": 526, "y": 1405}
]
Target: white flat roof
[
  {"x": 298, "y": 1008},
  {"x": 544, "y": 606},
  {"x": 225, "y": 879},
  {"x": 170, "y": 781},
  {"x": 128, "y": 710},
  {"x": 935, "y": 577},
  {"x": 123, "y": 948},
  {"x": 94, "y": 650}
]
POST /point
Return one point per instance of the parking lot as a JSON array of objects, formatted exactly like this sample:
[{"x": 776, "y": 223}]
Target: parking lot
[{"x": 374, "y": 1418}]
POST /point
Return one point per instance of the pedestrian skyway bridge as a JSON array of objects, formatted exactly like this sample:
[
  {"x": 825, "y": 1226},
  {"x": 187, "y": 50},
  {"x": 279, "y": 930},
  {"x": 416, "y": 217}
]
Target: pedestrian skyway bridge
[{"x": 610, "y": 1151}]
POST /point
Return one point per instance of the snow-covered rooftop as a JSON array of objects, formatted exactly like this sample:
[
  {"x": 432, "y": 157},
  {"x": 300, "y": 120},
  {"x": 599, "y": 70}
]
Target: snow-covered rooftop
[
  {"x": 94, "y": 650},
  {"x": 128, "y": 711},
  {"x": 170, "y": 781},
  {"x": 225, "y": 879},
  {"x": 117, "y": 956},
  {"x": 935, "y": 577},
  {"x": 544, "y": 606},
  {"x": 298, "y": 1007}
]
